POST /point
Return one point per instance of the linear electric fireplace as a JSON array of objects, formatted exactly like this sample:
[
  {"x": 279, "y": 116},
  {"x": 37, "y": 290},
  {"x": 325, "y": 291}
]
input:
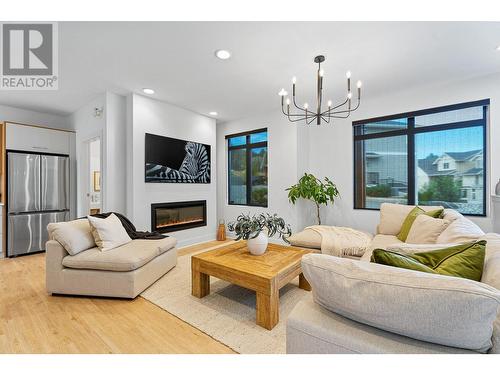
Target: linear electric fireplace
[{"x": 174, "y": 216}]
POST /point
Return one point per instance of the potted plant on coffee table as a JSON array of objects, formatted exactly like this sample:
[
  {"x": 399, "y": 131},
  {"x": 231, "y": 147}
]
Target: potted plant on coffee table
[{"x": 257, "y": 229}]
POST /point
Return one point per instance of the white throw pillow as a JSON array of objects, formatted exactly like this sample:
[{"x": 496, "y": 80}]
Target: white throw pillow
[
  {"x": 426, "y": 229},
  {"x": 108, "y": 233},
  {"x": 460, "y": 230},
  {"x": 392, "y": 216},
  {"x": 435, "y": 308},
  {"x": 75, "y": 236}
]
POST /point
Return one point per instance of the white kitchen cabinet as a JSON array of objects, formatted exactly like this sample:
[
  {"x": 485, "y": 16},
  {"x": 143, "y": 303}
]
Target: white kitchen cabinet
[{"x": 37, "y": 139}]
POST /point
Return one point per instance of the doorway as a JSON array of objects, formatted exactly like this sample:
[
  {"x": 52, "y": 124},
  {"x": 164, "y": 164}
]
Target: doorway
[{"x": 93, "y": 193}]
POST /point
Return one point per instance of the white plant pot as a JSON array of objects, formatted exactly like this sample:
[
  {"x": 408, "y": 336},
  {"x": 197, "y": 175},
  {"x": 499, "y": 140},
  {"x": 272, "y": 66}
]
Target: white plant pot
[{"x": 258, "y": 245}]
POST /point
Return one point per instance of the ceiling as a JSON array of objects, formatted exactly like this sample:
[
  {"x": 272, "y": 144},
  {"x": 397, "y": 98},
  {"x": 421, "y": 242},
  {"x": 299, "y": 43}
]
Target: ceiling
[{"x": 177, "y": 60}]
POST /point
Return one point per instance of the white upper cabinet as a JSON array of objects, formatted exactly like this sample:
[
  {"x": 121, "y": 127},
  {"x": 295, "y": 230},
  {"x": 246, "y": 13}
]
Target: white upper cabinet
[{"x": 35, "y": 139}]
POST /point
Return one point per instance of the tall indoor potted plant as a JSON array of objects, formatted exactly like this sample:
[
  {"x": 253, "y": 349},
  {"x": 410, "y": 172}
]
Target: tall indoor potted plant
[
  {"x": 312, "y": 188},
  {"x": 257, "y": 229}
]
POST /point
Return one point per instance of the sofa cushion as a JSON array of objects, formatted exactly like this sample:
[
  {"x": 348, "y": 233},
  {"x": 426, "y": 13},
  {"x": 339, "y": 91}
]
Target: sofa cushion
[
  {"x": 392, "y": 216},
  {"x": 380, "y": 241},
  {"x": 464, "y": 260},
  {"x": 127, "y": 257},
  {"x": 426, "y": 229},
  {"x": 108, "y": 233},
  {"x": 75, "y": 236},
  {"x": 410, "y": 219},
  {"x": 307, "y": 238},
  {"x": 434, "y": 308},
  {"x": 491, "y": 272},
  {"x": 460, "y": 230}
]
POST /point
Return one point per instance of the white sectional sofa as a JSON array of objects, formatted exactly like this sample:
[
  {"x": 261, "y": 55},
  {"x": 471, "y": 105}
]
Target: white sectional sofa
[
  {"x": 122, "y": 272},
  {"x": 313, "y": 328}
]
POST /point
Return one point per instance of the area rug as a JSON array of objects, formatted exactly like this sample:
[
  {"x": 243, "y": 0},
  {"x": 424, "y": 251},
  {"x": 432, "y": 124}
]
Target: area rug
[{"x": 227, "y": 314}]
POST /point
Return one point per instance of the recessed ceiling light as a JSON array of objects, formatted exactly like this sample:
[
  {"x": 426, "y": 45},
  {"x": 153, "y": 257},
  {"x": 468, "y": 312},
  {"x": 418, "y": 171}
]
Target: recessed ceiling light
[
  {"x": 148, "y": 91},
  {"x": 498, "y": 48},
  {"x": 213, "y": 113},
  {"x": 223, "y": 54}
]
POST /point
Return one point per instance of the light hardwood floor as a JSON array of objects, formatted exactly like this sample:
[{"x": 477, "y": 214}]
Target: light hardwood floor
[{"x": 31, "y": 321}]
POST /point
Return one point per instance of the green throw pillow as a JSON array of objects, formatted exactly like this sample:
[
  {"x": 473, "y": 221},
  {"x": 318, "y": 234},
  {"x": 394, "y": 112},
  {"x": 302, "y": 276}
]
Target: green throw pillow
[
  {"x": 405, "y": 228},
  {"x": 465, "y": 260}
]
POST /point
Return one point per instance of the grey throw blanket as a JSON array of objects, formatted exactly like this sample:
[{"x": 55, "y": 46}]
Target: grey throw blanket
[{"x": 130, "y": 228}]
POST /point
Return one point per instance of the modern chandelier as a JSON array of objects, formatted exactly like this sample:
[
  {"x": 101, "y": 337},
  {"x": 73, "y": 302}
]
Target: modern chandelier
[{"x": 342, "y": 110}]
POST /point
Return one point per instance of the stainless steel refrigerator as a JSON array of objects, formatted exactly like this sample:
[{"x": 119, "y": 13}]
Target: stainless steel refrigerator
[{"x": 37, "y": 194}]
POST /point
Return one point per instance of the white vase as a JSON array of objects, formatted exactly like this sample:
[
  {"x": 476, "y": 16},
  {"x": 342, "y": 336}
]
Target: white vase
[{"x": 258, "y": 245}]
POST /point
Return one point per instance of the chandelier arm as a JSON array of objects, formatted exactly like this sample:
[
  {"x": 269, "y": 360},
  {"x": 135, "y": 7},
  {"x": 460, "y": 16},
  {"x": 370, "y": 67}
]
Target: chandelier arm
[
  {"x": 348, "y": 110},
  {"x": 295, "y": 104},
  {"x": 333, "y": 116},
  {"x": 325, "y": 119},
  {"x": 337, "y": 106},
  {"x": 312, "y": 119},
  {"x": 297, "y": 119},
  {"x": 290, "y": 114}
]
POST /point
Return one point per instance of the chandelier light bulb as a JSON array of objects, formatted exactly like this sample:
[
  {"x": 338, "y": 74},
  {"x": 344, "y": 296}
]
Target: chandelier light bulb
[
  {"x": 348, "y": 74},
  {"x": 321, "y": 73},
  {"x": 329, "y": 103},
  {"x": 282, "y": 92},
  {"x": 306, "y": 105},
  {"x": 359, "y": 84},
  {"x": 349, "y": 95},
  {"x": 294, "y": 80},
  {"x": 287, "y": 101}
]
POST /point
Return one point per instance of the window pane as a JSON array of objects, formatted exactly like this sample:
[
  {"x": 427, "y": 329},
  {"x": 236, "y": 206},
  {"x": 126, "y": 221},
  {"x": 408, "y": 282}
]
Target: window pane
[
  {"x": 237, "y": 176},
  {"x": 238, "y": 141},
  {"x": 259, "y": 176},
  {"x": 258, "y": 137},
  {"x": 450, "y": 169},
  {"x": 382, "y": 126},
  {"x": 449, "y": 117},
  {"x": 385, "y": 171}
]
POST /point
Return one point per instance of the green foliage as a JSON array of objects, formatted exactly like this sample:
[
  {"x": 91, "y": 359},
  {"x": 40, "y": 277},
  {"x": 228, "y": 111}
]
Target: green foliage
[
  {"x": 441, "y": 188},
  {"x": 312, "y": 188},
  {"x": 259, "y": 195},
  {"x": 247, "y": 226},
  {"x": 383, "y": 191}
]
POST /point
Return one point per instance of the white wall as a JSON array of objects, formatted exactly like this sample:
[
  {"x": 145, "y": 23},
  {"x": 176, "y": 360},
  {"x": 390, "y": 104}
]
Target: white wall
[
  {"x": 111, "y": 128},
  {"x": 88, "y": 126},
  {"x": 284, "y": 166},
  {"x": 25, "y": 116},
  {"x": 327, "y": 150},
  {"x": 331, "y": 147},
  {"x": 145, "y": 115},
  {"x": 115, "y": 153}
]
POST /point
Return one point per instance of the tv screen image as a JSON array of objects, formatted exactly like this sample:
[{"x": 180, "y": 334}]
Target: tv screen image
[{"x": 171, "y": 160}]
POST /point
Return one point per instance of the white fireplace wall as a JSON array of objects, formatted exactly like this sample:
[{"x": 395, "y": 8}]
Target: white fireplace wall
[{"x": 145, "y": 115}]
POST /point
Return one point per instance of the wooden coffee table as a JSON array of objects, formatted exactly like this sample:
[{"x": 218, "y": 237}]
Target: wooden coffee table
[{"x": 265, "y": 274}]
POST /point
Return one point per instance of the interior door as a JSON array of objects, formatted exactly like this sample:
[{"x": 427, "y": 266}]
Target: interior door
[
  {"x": 55, "y": 183},
  {"x": 23, "y": 182}
]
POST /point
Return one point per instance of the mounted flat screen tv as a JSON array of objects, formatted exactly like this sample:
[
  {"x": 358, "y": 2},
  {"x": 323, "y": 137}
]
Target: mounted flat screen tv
[{"x": 172, "y": 160}]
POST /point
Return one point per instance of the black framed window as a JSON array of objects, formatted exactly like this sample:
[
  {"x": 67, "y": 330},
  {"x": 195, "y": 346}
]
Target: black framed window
[
  {"x": 435, "y": 156},
  {"x": 247, "y": 168}
]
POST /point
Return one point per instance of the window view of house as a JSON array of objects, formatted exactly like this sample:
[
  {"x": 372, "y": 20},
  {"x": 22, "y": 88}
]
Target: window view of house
[
  {"x": 247, "y": 166},
  {"x": 434, "y": 158}
]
